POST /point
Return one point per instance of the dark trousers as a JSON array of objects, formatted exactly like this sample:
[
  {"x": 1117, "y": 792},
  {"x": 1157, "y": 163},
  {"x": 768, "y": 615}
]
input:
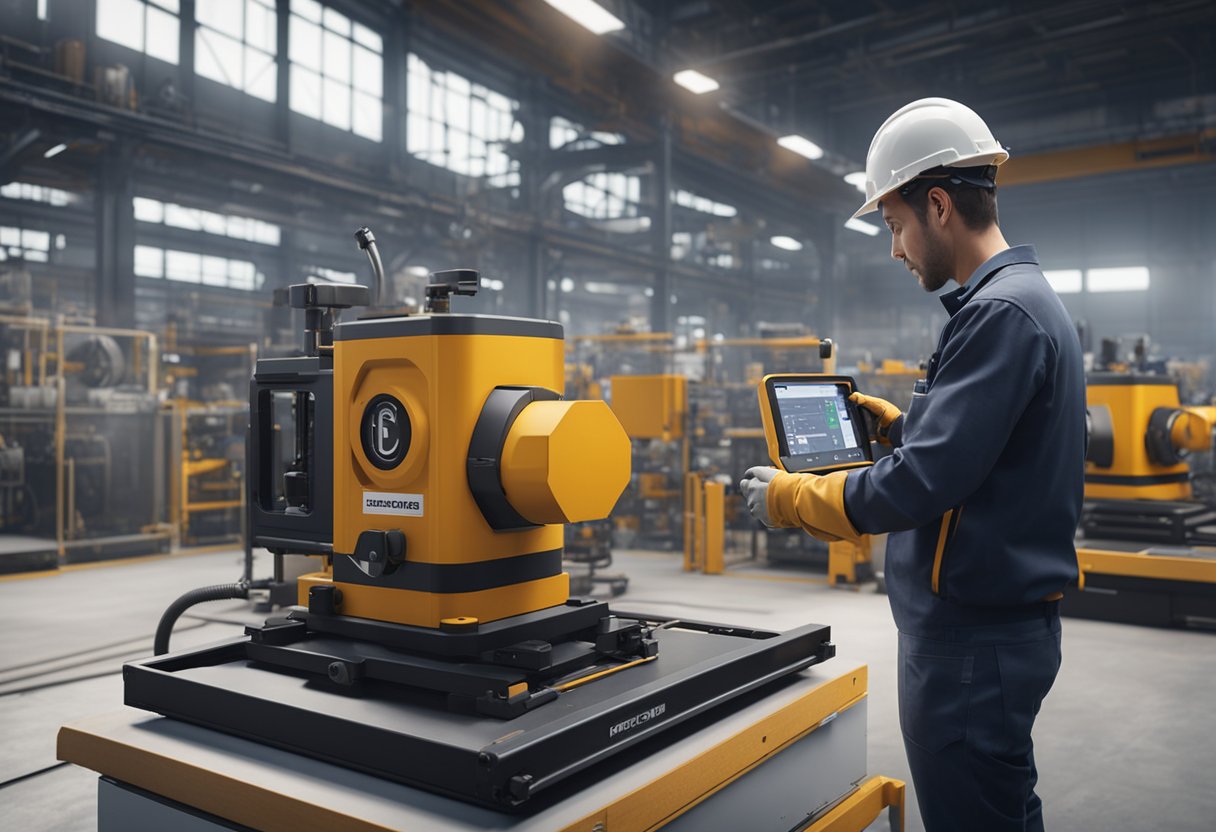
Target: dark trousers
[{"x": 968, "y": 698}]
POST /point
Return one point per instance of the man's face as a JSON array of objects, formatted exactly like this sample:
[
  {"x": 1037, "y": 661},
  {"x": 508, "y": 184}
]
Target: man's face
[{"x": 920, "y": 246}]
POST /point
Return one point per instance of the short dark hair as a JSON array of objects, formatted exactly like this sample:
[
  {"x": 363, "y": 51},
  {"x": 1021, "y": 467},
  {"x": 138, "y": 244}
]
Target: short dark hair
[{"x": 976, "y": 206}]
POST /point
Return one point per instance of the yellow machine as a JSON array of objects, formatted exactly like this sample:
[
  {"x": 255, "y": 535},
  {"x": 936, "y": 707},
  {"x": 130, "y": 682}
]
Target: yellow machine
[
  {"x": 431, "y": 458},
  {"x": 392, "y": 379},
  {"x": 651, "y": 407},
  {"x": 1148, "y": 552},
  {"x": 1139, "y": 438}
]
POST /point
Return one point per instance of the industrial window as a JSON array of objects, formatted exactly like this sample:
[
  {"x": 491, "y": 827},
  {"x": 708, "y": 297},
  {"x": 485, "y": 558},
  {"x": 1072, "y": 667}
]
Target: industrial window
[
  {"x": 42, "y": 12},
  {"x": 604, "y": 196},
  {"x": 236, "y": 43},
  {"x": 202, "y": 269},
  {"x": 462, "y": 126},
  {"x": 1064, "y": 281},
  {"x": 688, "y": 199},
  {"x": 337, "y": 70},
  {"x": 1127, "y": 279},
  {"x": 766, "y": 264},
  {"x": 321, "y": 274},
  {"x": 27, "y": 244},
  {"x": 599, "y": 196},
  {"x": 37, "y": 193},
  {"x": 565, "y": 134},
  {"x": 198, "y": 219},
  {"x": 148, "y": 26}
]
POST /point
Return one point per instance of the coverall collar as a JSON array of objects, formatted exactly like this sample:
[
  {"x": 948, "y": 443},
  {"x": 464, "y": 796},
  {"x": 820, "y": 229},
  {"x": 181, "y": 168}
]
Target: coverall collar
[{"x": 954, "y": 301}]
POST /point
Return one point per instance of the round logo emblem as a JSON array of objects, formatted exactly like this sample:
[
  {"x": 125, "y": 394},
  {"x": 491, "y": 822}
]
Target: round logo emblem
[{"x": 386, "y": 432}]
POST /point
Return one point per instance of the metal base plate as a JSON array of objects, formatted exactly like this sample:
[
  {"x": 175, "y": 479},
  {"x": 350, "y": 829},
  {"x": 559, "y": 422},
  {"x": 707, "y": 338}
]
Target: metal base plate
[{"x": 409, "y": 735}]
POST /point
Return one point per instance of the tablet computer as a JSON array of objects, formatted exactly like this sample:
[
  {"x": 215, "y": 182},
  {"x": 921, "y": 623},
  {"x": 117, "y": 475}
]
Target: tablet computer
[{"x": 810, "y": 424}]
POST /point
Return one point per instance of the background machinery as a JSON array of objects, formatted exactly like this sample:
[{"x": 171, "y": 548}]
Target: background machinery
[{"x": 1147, "y": 551}]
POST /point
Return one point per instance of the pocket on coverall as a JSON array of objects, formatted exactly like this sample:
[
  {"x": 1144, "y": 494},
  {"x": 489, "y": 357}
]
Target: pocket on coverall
[{"x": 934, "y": 692}]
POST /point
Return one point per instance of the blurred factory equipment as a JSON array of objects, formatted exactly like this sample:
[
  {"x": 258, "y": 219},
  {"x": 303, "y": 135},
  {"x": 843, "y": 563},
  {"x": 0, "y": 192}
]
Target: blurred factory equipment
[
  {"x": 889, "y": 379},
  {"x": 84, "y": 444},
  {"x": 727, "y": 438},
  {"x": 632, "y": 371},
  {"x": 208, "y": 433},
  {"x": 1149, "y": 520}
]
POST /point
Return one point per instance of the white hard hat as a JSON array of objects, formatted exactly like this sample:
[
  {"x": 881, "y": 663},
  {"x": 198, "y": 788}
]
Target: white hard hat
[{"x": 925, "y": 134}]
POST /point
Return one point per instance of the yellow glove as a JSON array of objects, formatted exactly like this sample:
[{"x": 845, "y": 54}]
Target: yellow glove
[
  {"x": 885, "y": 412},
  {"x": 813, "y": 503}
]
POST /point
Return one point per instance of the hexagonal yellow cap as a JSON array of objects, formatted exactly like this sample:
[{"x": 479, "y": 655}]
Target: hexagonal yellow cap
[{"x": 565, "y": 462}]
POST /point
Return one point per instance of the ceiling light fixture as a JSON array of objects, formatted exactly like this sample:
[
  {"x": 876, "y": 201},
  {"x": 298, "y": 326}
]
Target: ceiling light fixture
[
  {"x": 787, "y": 243},
  {"x": 591, "y": 16},
  {"x": 857, "y": 179},
  {"x": 869, "y": 229},
  {"x": 54, "y": 151},
  {"x": 801, "y": 145},
  {"x": 694, "y": 81}
]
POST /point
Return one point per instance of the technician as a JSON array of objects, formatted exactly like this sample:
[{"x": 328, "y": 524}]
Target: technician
[{"x": 982, "y": 491}]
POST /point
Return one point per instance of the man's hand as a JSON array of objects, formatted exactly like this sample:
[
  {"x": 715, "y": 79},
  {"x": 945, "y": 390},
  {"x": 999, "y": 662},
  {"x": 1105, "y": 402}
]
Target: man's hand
[
  {"x": 882, "y": 410},
  {"x": 754, "y": 488}
]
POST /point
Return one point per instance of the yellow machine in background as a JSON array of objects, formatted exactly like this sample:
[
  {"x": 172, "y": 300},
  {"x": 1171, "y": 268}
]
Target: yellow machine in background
[
  {"x": 1148, "y": 551},
  {"x": 210, "y": 417},
  {"x": 889, "y": 379},
  {"x": 1140, "y": 436},
  {"x": 693, "y": 435},
  {"x": 651, "y": 407}
]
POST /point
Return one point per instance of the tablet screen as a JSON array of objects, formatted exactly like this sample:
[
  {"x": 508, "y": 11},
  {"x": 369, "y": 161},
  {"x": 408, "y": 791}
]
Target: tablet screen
[{"x": 816, "y": 424}]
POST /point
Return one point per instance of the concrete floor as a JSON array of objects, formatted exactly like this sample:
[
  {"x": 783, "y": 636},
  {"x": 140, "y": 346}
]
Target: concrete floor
[{"x": 1126, "y": 740}]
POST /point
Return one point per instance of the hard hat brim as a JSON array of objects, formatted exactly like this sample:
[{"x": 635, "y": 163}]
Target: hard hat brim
[{"x": 897, "y": 182}]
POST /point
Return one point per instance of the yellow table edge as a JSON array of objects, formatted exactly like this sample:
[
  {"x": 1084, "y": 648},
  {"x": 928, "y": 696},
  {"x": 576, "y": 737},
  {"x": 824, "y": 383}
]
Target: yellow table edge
[
  {"x": 646, "y": 808},
  {"x": 1140, "y": 565},
  {"x": 682, "y": 788}
]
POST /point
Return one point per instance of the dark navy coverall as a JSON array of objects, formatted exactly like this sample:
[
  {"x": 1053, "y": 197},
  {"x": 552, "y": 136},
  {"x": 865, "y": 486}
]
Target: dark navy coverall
[{"x": 983, "y": 491}]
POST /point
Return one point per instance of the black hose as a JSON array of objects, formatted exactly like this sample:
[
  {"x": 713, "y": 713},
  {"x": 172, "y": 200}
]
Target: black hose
[{"x": 219, "y": 592}]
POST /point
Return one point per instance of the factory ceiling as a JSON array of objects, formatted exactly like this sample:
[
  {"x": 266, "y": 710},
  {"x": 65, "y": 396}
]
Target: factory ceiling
[{"x": 1050, "y": 74}]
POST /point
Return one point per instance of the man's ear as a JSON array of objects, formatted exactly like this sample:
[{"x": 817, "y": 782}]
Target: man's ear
[{"x": 941, "y": 207}]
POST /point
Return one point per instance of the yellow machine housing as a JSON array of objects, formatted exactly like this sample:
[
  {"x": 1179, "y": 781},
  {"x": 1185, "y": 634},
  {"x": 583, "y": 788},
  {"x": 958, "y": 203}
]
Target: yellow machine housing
[
  {"x": 556, "y": 462},
  {"x": 1137, "y": 428},
  {"x": 651, "y": 407}
]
